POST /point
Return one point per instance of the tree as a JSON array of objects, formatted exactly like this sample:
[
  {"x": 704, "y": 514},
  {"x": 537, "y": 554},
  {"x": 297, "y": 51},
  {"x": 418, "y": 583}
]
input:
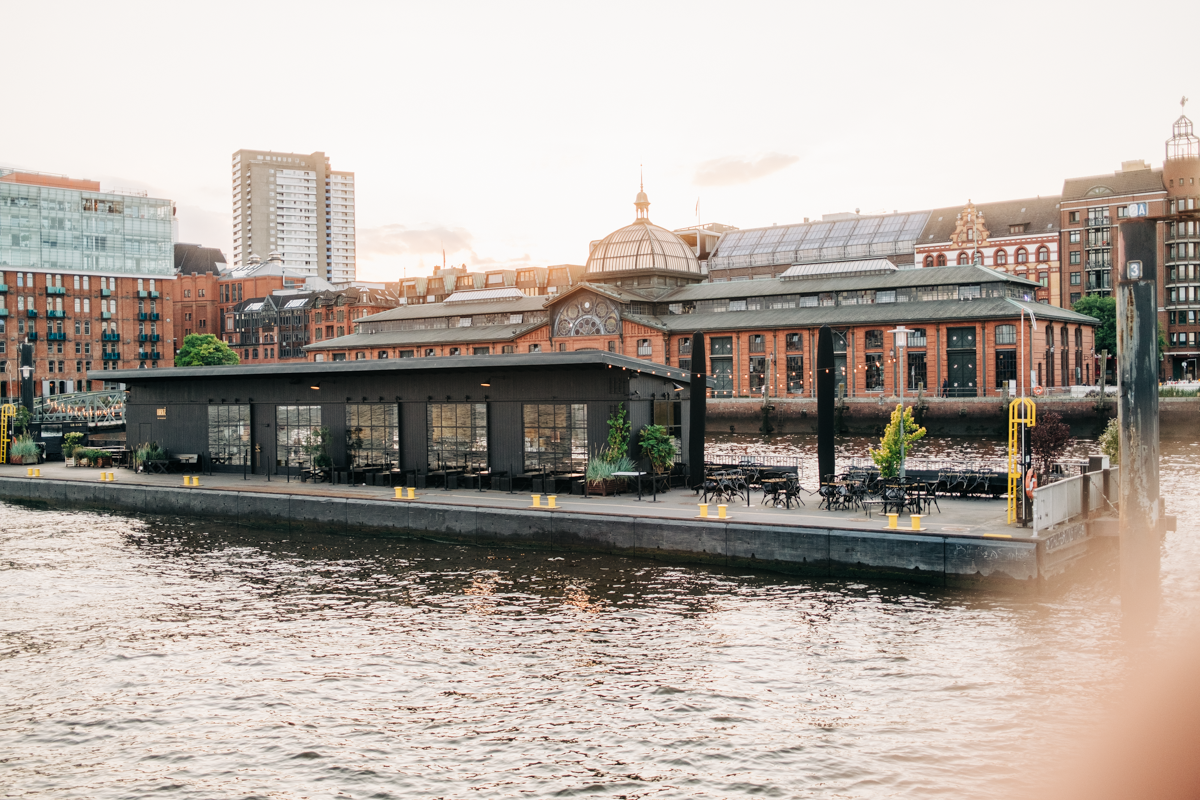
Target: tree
[
  {"x": 1110, "y": 441},
  {"x": 1048, "y": 439},
  {"x": 618, "y": 434},
  {"x": 204, "y": 350},
  {"x": 1105, "y": 310},
  {"x": 887, "y": 455}
]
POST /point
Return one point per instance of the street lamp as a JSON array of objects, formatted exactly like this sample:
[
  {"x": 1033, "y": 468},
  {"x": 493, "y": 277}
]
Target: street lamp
[
  {"x": 1033, "y": 322},
  {"x": 901, "y": 340}
]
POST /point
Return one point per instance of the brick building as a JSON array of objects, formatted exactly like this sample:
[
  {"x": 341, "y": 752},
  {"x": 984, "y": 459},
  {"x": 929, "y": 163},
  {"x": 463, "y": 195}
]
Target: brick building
[
  {"x": 86, "y": 278},
  {"x": 644, "y": 296}
]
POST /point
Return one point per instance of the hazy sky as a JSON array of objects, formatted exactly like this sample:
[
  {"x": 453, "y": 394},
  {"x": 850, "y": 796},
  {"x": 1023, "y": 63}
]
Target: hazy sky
[{"x": 511, "y": 133}]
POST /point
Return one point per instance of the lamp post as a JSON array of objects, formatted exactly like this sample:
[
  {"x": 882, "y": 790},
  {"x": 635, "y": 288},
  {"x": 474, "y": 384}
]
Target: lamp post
[
  {"x": 901, "y": 340},
  {"x": 1024, "y": 352}
]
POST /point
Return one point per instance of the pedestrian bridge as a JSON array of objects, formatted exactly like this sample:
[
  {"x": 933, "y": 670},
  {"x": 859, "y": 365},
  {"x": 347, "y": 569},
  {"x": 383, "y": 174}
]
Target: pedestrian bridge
[{"x": 96, "y": 409}]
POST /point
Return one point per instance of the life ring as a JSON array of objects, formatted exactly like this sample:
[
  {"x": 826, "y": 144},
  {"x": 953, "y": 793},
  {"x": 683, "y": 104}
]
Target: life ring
[
  {"x": 1030, "y": 483},
  {"x": 1037, "y": 390}
]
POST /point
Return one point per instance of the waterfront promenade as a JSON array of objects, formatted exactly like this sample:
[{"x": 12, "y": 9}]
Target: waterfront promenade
[{"x": 957, "y": 516}]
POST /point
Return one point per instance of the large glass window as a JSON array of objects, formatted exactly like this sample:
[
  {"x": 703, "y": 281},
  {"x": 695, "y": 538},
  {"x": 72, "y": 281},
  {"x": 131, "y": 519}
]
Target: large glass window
[
  {"x": 555, "y": 437},
  {"x": 372, "y": 436},
  {"x": 294, "y": 430},
  {"x": 795, "y": 374},
  {"x": 794, "y": 342},
  {"x": 874, "y": 372},
  {"x": 457, "y": 435},
  {"x": 917, "y": 371},
  {"x": 1006, "y": 367},
  {"x": 1006, "y": 334},
  {"x": 229, "y": 434},
  {"x": 873, "y": 340},
  {"x": 758, "y": 373}
]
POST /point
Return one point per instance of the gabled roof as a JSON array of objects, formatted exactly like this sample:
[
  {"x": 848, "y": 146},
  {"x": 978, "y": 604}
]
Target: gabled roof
[
  {"x": 930, "y": 276},
  {"x": 429, "y": 336},
  {"x": 194, "y": 259},
  {"x": 618, "y": 293},
  {"x": 1113, "y": 184},
  {"x": 431, "y": 310},
  {"x": 878, "y": 313},
  {"x": 1040, "y": 213}
]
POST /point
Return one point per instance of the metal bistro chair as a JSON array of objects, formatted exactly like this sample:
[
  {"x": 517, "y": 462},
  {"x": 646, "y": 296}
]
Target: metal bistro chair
[{"x": 792, "y": 489}]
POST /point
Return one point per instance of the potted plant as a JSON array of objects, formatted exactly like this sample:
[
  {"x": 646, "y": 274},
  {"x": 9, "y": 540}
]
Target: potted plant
[
  {"x": 889, "y": 454},
  {"x": 72, "y": 442},
  {"x": 317, "y": 449},
  {"x": 24, "y": 450},
  {"x": 659, "y": 447}
]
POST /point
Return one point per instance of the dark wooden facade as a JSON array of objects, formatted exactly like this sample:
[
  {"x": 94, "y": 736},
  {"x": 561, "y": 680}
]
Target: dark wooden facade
[{"x": 171, "y": 406}]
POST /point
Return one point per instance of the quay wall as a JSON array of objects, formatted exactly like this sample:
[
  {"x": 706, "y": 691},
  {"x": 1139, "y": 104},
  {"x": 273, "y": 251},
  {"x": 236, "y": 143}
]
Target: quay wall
[
  {"x": 969, "y": 561},
  {"x": 943, "y": 416}
]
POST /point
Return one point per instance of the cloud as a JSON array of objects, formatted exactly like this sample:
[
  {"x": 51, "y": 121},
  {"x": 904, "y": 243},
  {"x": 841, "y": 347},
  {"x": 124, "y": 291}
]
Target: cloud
[
  {"x": 397, "y": 240},
  {"x": 730, "y": 170}
]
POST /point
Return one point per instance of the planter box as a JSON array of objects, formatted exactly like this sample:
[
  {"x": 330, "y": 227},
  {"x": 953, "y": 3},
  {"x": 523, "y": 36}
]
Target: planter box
[{"x": 606, "y": 487}]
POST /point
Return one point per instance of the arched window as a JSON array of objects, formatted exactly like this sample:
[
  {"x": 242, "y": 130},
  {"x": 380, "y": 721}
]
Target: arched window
[
  {"x": 1043, "y": 254},
  {"x": 1001, "y": 258},
  {"x": 1049, "y": 336},
  {"x": 964, "y": 259},
  {"x": 941, "y": 261},
  {"x": 929, "y": 261},
  {"x": 979, "y": 258},
  {"x": 1022, "y": 255}
]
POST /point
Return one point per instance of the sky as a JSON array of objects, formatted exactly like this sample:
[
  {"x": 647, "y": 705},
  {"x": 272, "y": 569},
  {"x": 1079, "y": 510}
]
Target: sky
[{"x": 514, "y": 133}]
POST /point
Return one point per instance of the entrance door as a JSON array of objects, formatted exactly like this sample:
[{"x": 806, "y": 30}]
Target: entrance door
[
  {"x": 960, "y": 355},
  {"x": 722, "y": 373}
]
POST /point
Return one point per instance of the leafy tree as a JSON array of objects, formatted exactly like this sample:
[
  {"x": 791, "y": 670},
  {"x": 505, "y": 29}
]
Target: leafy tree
[
  {"x": 204, "y": 350},
  {"x": 618, "y": 434},
  {"x": 1110, "y": 441},
  {"x": 887, "y": 455},
  {"x": 22, "y": 419},
  {"x": 1105, "y": 310},
  {"x": 1048, "y": 439}
]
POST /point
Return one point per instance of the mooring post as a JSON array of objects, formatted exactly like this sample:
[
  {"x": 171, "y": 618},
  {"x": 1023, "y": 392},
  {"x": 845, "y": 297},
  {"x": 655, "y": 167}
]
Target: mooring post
[
  {"x": 1137, "y": 410},
  {"x": 697, "y": 411},
  {"x": 825, "y": 401}
]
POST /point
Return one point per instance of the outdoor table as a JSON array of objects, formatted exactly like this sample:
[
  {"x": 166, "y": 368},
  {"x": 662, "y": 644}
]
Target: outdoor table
[
  {"x": 771, "y": 490},
  {"x": 637, "y": 475}
]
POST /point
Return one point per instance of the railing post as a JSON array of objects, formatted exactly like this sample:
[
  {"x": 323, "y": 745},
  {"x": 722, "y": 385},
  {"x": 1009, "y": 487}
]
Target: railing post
[{"x": 1085, "y": 495}]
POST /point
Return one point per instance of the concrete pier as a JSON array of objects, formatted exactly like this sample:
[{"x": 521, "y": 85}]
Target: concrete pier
[{"x": 965, "y": 545}]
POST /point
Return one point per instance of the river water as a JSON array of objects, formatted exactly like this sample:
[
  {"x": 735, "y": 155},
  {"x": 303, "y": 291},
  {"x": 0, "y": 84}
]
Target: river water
[{"x": 185, "y": 659}]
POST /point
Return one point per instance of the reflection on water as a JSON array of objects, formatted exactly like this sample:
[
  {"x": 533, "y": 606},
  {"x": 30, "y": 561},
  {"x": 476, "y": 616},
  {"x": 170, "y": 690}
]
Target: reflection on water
[{"x": 145, "y": 655}]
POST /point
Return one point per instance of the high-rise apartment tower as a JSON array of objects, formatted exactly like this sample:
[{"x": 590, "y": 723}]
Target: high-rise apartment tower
[{"x": 297, "y": 206}]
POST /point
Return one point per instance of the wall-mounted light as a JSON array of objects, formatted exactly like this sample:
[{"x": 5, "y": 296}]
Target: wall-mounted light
[
  {"x": 486, "y": 382},
  {"x": 678, "y": 388},
  {"x": 316, "y": 386}
]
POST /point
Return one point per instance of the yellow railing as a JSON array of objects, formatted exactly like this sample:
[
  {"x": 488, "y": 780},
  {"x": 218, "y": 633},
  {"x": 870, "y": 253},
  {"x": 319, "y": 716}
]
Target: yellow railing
[
  {"x": 8, "y": 413},
  {"x": 1021, "y": 411}
]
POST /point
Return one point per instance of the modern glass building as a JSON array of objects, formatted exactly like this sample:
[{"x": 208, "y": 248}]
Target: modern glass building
[{"x": 54, "y": 224}]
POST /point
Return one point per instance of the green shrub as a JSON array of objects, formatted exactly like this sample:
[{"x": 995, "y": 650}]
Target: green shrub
[
  {"x": 598, "y": 469},
  {"x": 618, "y": 434},
  {"x": 659, "y": 446},
  {"x": 24, "y": 450},
  {"x": 1110, "y": 441},
  {"x": 71, "y": 443},
  {"x": 887, "y": 455}
]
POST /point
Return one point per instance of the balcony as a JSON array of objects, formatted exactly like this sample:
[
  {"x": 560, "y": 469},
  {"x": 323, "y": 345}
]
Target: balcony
[
  {"x": 105, "y": 315},
  {"x": 155, "y": 317},
  {"x": 154, "y": 295},
  {"x": 3, "y": 312},
  {"x": 156, "y": 337},
  {"x": 110, "y": 356},
  {"x": 32, "y": 336},
  {"x": 142, "y": 337},
  {"x": 142, "y": 295},
  {"x": 106, "y": 292},
  {"x": 56, "y": 337},
  {"x": 3, "y": 288},
  {"x": 143, "y": 316},
  {"x": 143, "y": 355},
  {"x": 32, "y": 312},
  {"x": 155, "y": 355},
  {"x": 56, "y": 314},
  {"x": 56, "y": 290},
  {"x": 110, "y": 337}
]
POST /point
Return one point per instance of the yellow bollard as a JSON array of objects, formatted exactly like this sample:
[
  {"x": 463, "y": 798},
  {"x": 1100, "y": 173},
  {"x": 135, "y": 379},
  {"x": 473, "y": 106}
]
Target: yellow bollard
[
  {"x": 112, "y": 477},
  {"x": 552, "y": 500},
  {"x": 916, "y": 521},
  {"x": 893, "y": 521},
  {"x": 412, "y": 493},
  {"x": 399, "y": 492},
  {"x": 195, "y": 480},
  {"x": 721, "y": 511},
  {"x": 703, "y": 510},
  {"x": 103, "y": 476},
  {"x": 537, "y": 501},
  {"x": 29, "y": 472},
  {"x": 37, "y": 472},
  {"x": 187, "y": 480}
]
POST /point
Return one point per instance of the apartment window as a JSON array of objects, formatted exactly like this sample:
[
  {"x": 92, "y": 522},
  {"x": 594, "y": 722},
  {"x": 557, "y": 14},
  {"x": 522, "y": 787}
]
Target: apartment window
[
  {"x": 928, "y": 261},
  {"x": 1073, "y": 237},
  {"x": 535, "y": 348},
  {"x": 429, "y": 352},
  {"x": 1075, "y": 258},
  {"x": 1022, "y": 256},
  {"x": 964, "y": 259},
  {"x": 1001, "y": 258},
  {"x": 643, "y": 347},
  {"x": 684, "y": 347},
  {"x": 1075, "y": 296},
  {"x": 1076, "y": 277},
  {"x": 1073, "y": 217},
  {"x": 941, "y": 259},
  {"x": 1043, "y": 279},
  {"x": 1043, "y": 254}
]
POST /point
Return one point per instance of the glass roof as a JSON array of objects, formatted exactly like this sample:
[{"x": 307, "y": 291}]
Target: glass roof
[
  {"x": 891, "y": 234},
  {"x": 295, "y": 303},
  {"x": 642, "y": 246}
]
